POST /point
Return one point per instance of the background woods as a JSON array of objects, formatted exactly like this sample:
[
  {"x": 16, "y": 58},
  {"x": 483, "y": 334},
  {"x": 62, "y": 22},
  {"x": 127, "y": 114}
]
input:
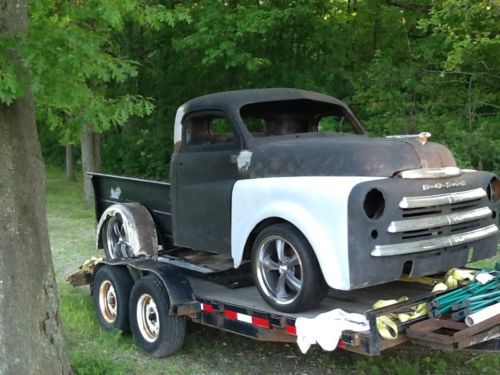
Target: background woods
[
  {"x": 110, "y": 74},
  {"x": 104, "y": 79}
]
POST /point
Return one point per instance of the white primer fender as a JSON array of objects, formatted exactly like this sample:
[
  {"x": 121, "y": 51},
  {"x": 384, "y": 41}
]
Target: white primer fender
[{"x": 317, "y": 206}]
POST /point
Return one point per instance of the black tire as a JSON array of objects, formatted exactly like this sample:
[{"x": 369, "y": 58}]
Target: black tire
[
  {"x": 285, "y": 269},
  {"x": 155, "y": 331},
  {"x": 111, "y": 294}
]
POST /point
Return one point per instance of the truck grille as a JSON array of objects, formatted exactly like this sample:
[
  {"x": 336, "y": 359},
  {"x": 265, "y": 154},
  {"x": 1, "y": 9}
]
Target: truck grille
[{"x": 437, "y": 221}]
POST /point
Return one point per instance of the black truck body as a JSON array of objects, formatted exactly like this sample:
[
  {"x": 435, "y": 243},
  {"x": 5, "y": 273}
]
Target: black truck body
[
  {"x": 289, "y": 181},
  {"x": 281, "y": 208}
]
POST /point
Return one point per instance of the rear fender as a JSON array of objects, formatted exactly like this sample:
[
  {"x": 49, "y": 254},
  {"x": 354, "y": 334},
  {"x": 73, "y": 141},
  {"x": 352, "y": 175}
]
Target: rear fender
[{"x": 139, "y": 225}]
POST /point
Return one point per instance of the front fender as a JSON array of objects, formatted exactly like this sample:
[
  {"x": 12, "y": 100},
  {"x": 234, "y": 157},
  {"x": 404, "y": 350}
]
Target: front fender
[{"x": 317, "y": 206}]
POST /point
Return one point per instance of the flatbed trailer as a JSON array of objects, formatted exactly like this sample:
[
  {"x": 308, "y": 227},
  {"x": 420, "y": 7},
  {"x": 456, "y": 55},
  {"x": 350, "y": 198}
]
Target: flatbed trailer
[{"x": 228, "y": 301}]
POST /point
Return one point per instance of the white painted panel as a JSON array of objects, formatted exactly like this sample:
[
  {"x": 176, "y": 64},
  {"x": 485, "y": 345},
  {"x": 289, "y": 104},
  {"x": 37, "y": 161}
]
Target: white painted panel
[
  {"x": 317, "y": 206},
  {"x": 178, "y": 124}
]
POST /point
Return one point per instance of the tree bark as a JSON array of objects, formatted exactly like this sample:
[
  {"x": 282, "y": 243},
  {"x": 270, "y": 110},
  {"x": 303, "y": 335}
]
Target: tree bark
[
  {"x": 70, "y": 164},
  {"x": 91, "y": 161},
  {"x": 31, "y": 337},
  {"x": 376, "y": 26}
]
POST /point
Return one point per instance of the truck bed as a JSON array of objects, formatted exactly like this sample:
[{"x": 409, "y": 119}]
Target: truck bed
[{"x": 154, "y": 195}]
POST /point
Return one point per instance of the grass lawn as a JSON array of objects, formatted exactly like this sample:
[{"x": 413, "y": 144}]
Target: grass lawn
[{"x": 207, "y": 350}]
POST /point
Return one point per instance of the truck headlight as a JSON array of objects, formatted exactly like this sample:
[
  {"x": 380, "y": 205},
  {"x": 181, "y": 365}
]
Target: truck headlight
[
  {"x": 493, "y": 190},
  {"x": 374, "y": 204}
]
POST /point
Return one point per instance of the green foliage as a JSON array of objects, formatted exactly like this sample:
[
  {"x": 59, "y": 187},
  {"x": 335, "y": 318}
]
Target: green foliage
[
  {"x": 405, "y": 67},
  {"x": 147, "y": 152},
  {"x": 470, "y": 29},
  {"x": 75, "y": 65}
]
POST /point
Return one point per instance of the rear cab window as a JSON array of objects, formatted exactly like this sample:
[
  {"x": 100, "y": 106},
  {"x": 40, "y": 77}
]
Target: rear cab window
[{"x": 296, "y": 117}]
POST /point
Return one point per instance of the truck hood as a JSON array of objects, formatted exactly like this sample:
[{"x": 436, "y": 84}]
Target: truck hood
[{"x": 333, "y": 154}]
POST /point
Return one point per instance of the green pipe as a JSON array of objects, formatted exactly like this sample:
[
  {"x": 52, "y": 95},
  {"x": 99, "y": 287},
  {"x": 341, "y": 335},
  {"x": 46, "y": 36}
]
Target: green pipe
[
  {"x": 438, "y": 301},
  {"x": 461, "y": 314},
  {"x": 479, "y": 304},
  {"x": 467, "y": 302}
]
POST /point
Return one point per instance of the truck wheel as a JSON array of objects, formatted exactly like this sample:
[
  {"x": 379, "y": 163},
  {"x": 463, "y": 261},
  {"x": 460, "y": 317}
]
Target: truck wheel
[
  {"x": 285, "y": 269},
  {"x": 157, "y": 333},
  {"x": 114, "y": 238},
  {"x": 128, "y": 231},
  {"x": 111, "y": 293}
]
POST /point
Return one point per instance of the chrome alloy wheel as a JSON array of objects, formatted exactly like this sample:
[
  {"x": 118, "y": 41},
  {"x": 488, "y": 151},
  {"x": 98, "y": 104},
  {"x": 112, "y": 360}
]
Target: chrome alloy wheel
[
  {"x": 116, "y": 238},
  {"x": 108, "y": 303},
  {"x": 279, "y": 270},
  {"x": 148, "y": 319}
]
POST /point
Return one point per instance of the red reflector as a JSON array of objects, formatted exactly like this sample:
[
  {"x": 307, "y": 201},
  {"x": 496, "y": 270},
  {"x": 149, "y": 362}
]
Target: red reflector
[
  {"x": 208, "y": 308},
  {"x": 231, "y": 314},
  {"x": 341, "y": 344},
  {"x": 260, "y": 322},
  {"x": 291, "y": 329}
]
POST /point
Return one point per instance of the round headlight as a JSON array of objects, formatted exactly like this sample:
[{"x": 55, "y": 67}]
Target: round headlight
[
  {"x": 493, "y": 190},
  {"x": 374, "y": 204}
]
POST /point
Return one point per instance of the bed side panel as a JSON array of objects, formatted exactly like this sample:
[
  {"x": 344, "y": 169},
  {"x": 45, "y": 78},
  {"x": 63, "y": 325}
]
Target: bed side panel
[{"x": 154, "y": 195}]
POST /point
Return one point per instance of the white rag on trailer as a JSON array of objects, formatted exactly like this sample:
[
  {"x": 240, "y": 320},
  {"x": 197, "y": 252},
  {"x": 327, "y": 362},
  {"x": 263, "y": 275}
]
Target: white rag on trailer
[{"x": 326, "y": 329}]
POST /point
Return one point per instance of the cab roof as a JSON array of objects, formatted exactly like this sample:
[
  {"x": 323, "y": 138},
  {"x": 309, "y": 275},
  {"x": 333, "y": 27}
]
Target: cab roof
[{"x": 232, "y": 101}]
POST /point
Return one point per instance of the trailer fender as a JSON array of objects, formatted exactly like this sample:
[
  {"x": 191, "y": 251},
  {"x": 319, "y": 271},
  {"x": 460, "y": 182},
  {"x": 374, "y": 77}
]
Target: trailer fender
[
  {"x": 180, "y": 293},
  {"x": 139, "y": 226}
]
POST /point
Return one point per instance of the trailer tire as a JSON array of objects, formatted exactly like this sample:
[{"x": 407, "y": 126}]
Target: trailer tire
[
  {"x": 155, "y": 331},
  {"x": 285, "y": 269},
  {"x": 111, "y": 293}
]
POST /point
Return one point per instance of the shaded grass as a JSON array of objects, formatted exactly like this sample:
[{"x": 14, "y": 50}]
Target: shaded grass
[{"x": 207, "y": 350}]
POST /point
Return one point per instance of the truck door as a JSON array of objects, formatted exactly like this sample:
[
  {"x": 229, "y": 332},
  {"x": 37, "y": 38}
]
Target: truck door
[{"x": 204, "y": 172}]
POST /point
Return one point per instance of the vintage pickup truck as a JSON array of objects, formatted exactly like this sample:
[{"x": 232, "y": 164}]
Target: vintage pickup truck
[{"x": 287, "y": 183}]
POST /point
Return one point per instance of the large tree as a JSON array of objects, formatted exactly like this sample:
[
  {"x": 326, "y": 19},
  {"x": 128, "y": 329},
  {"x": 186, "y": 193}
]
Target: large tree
[{"x": 31, "y": 338}]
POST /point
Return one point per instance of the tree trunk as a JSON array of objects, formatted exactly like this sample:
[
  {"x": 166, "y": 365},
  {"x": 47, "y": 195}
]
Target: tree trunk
[
  {"x": 376, "y": 26},
  {"x": 91, "y": 161},
  {"x": 70, "y": 164},
  {"x": 31, "y": 338},
  {"x": 97, "y": 151}
]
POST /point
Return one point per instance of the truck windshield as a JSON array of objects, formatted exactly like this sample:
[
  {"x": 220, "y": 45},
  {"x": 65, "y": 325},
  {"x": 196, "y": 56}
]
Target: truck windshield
[{"x": 295, "y": 116}]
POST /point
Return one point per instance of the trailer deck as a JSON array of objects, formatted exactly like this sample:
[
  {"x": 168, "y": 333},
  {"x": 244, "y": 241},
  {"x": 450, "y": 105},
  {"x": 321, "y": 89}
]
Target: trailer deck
[
  {"x": 243, "y": 311},
  {"x": 237, "y": 307},
  {"x": 357, "y": 301}
]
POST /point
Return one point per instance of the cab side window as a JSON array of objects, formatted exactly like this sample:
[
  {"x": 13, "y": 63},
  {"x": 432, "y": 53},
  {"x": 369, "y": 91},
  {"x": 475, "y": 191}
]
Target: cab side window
[{"x": 208, "y": 129}]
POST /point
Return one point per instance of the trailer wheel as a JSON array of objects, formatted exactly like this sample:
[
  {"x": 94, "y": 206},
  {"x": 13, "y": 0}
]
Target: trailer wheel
[
  {"x": 285, "y": 269},
  {"x": 111, "y": 293},
  {"x": 157, "y": 333}
]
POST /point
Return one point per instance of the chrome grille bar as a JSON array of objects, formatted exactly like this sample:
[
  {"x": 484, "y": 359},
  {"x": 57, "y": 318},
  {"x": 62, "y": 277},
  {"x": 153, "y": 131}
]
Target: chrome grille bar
[
  {"x": 431, "y": 173},
  {"x": 438, "y": 221},
  {"x": 435, "y": 243},
  {"x": 441, "y": 199}
]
